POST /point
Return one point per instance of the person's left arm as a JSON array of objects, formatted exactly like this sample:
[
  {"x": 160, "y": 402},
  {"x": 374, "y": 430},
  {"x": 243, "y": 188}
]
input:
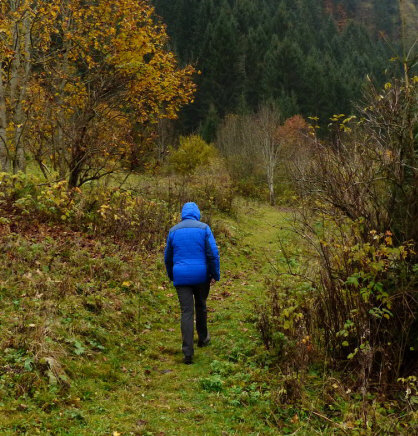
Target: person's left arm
[
  {"x": 168, "y": 257},
  {"x": 212, "y": 255}
]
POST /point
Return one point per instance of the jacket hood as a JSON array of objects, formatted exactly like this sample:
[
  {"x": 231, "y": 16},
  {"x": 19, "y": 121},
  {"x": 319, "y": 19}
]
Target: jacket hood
[{"x": 190, "y": 212}]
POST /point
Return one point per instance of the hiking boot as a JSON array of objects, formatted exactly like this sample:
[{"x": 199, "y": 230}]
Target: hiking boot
[
  {"x": 204, "y": 343},
  {"x": 188, "y": 360}
]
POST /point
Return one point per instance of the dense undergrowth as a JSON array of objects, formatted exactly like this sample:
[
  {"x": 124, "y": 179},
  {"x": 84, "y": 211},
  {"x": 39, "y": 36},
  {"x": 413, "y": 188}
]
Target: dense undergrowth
[
  {"x": 141, "y": 215},
  {"x": 349, "y": 297},
  {"x": 353, "y": 376}
]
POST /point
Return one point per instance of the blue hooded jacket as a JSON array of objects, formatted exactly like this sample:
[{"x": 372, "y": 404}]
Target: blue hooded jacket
[{"x": 191, "y": 255}]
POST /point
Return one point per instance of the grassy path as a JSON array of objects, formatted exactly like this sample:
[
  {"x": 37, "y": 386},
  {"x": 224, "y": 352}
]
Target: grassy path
[
  {"x": 174, "y": 398},
  {"x": 120, "y": 349}
]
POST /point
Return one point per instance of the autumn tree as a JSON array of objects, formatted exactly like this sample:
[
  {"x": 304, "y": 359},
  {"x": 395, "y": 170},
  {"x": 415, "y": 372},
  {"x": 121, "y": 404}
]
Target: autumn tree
[
  {"x": 89, "y": 73},
  {"x": 295, "y": 137},
  {"x": 165, "y": 138},
  {"x": 25, "y": 36},
  {"x": 114, "y": 73}
]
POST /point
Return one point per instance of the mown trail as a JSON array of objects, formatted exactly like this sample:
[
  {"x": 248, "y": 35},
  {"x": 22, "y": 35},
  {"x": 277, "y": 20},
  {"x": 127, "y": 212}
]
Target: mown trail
[{"x": 179, "y": 399}]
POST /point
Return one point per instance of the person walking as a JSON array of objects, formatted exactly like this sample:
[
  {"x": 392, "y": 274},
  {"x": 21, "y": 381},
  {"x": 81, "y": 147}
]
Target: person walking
[{"x": 192, "y": 263}]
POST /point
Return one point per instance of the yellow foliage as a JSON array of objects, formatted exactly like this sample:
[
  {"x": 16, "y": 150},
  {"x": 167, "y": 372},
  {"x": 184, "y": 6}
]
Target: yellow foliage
[
  {"x": 108, "y": 71},
  {"x": 192, "y": 153}
]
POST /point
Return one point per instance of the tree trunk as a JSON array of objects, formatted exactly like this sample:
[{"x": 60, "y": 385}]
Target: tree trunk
[
  {"x": 270, "y": 182},
  {"x": 60, "y": 150},
  {"x": 4, "y": 152},
  {"x": 14, "y": 91},
  {"x": 74, "y": 177},
  {"x": 20, "y": 159},
  {"x": 75, "y": 172},
  {"x": 20, "y": 70},
  {"x": 271, "y": 194}
]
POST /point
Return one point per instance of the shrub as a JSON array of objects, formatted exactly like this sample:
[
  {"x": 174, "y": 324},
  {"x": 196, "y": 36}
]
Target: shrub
[
  {"x": 368, "y": 169},
  {"x": 364, "y": 302},
  {"x": 192, "y": 153},
  {"x": 358, "y": 214},
  {"x": 284, "y": 322},
  {"x": 100, "y": 211}
]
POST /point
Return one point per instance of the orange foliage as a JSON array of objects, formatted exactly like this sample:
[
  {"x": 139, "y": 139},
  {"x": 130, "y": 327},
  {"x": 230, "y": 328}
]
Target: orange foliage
[{"x": 294, "y": 130}]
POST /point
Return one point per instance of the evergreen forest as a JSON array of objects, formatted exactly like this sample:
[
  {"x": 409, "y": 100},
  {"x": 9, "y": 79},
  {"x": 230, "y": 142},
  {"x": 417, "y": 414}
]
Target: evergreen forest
[{"x": 310, "y": 57}]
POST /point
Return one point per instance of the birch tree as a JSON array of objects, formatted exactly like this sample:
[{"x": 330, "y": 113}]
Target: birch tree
[
  {"x": 251, "y": 145},
  {"x": 266, "y": 141}
]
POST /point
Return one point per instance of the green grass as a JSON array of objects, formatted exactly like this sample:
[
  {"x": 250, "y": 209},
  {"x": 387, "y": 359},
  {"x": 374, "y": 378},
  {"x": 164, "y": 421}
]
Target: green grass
[{"x": 90, "y": 341}]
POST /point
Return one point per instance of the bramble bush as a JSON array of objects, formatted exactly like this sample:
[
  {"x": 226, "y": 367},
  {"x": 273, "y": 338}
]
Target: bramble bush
[
  {"x": 347, "y": 310},
  {"x": 358, "y": 212},
  {"x": 284, "y": 324},
  {"x": 361, "y": 308}
]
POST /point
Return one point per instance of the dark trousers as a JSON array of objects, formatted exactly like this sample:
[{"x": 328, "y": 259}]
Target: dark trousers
[{"x": 186, "y": 295}]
